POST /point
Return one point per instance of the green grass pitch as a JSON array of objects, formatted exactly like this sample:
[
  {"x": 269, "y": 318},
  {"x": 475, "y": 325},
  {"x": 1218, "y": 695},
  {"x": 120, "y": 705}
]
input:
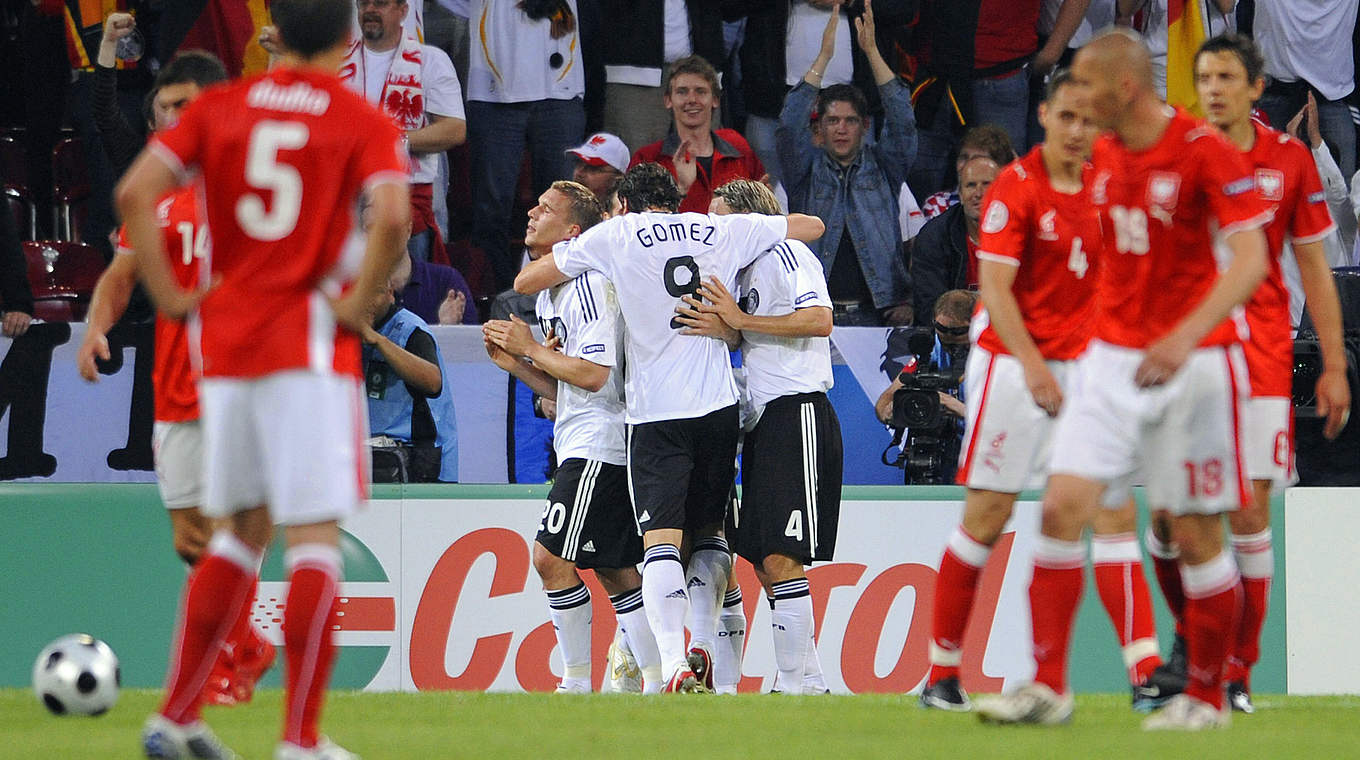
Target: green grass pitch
[{"x": 469, "y": 725}]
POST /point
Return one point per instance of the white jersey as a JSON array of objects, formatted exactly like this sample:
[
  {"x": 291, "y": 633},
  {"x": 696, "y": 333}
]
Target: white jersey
[
  {"x": 584, "y": 314},
  {"x": 784, "y": 278},
  {"x": 653, "y": 259}
]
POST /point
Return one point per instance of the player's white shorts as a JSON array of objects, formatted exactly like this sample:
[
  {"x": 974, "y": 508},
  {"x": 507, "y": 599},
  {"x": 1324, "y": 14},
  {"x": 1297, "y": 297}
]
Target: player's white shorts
[
  {"x": 1008, "y": 438},
  {"x": 293, "y": 440},
  {"x": 1270, "y": 440},
  {"x": 177, "y": 448},
  {"x": 1183, "y": 438}
]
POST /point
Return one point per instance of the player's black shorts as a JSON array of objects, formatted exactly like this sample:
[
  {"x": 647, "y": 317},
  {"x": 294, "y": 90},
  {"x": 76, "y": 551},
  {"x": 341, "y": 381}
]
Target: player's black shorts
[
  {"x": 588, "y": 518},
  {"x": 681, "y": 470},
  {"x": 790, "y": 482}
]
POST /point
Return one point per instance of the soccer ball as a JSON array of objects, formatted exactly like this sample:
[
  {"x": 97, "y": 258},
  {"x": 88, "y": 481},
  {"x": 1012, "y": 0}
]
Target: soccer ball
[{"x": 77, "y": 675}]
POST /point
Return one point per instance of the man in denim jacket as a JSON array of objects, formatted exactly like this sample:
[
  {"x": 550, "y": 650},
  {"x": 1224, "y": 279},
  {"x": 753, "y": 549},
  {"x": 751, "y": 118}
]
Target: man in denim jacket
[{"x": 829, "y": 171}]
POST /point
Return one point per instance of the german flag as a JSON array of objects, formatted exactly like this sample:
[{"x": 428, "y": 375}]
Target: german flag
[
  {"x": 229, "y": 29},
  {"x": 1185, "y": 33}
]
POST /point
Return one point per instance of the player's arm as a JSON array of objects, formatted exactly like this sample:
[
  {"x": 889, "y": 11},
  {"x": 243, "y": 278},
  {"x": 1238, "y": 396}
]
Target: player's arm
[
  {"x": 995, "y": 280},
  {"x": 514, "y": 336},
  {"x": 1232, "y": 288},
  {"x": 539, "y": 382},
  {"x": 805, "y": 228},
  {"x": 148, "y": 179},
  {"x": 110, "y": 299},
  {"x": 441, "y": 134},
  {"x": 416, "y": 371},
  {"x": 1333, "y": 390},
  {"x": 813, "y": 321},
  {"x": 539, "y": 274},
  {"x": 389, "y": 218}
]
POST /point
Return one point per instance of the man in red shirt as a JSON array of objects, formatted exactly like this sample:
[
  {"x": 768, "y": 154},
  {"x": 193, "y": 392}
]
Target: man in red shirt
[
  {"x": 277, "y": 337},
  {"x": 1035, "y": 317},
  {"x": 700, "y": 157},
  {"x": 1229, "y": 80},
  {"x": 1161, "y": 391}
]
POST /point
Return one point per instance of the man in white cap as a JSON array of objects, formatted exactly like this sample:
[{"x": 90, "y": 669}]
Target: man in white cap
[{"x": 600, "y": 163}]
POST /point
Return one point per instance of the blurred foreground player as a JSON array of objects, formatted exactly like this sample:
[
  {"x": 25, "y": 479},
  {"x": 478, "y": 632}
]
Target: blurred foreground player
[
  {"x": 1038, "y": 259},
  {"x": 791, "y": 464},
  {"x": 178, "y": 439},
  {"x": 1161, "y": 390},
  {"x": 1229, "y": 79},
  {"x": 587, "y": 521},
  {"x": 278, "y": 334}
]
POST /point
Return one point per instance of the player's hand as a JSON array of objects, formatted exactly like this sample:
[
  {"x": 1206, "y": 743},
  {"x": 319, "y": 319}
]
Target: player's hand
[
  {"x": 94, "y": 347},
  {"x": 498, "y": 355},
  {"x": 118, "y": 25},
  {"x": 552, "y": 342},
  {"x": 452, "y": 308},
  {"x": 1162, "y": 361},
  {"x": 549, "y": 408},
  {"x": 720, "y": 302},
  {"x": 269, "y": 40},
  {"x": 15, "y": 323},
  {"x": 704, "y": 324},
  {"x": 512, "y": 335},
  {"x": 686, "y": 168},
  {"x": 1333, "y": 402},
  {"x": 1044, "y": 388}
]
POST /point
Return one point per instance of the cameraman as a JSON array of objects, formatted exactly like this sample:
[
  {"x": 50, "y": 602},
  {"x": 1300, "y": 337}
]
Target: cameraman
[{"x": 953, "y": 311}]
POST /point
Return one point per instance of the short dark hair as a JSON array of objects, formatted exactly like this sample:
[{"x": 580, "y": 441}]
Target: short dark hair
[
  {"x": 991, "y": 138},
  {"x": 649, "y": 186},
  {"x": 311, "y": 27},
  {"x": 585, "y": 209},
  {"x": 1240, "y": 45},
  {"x": 197, "y": 66},
  {"x": 1056, "y": 81},
  {"x": 843, "y": 93},
  {"x": 693, "y": 64},
  {"x": 958, "y": 305}
]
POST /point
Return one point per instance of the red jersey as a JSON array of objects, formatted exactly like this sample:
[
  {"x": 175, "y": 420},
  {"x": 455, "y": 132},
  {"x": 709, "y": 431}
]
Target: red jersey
[
  {"x": 285, "y": 157},
  {"x": 1163, "y": 208},
  {"x": 1051, "y": 237},
  {"x": 172, "y": 377},
  {"x": 1288, "y": 180}
]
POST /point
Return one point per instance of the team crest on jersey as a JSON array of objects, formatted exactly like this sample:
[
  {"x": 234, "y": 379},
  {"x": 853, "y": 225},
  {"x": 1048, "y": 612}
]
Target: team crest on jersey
[
  {"x": 1271, "y": 184},
  {"x": 750, "y": 302},
  {"x": 995, "y": 219},
  {"x": 1048, "y": 225},
  {"x": 1163, "y": 189}
]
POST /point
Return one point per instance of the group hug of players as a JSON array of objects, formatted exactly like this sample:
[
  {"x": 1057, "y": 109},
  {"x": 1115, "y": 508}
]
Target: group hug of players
[{"x": 1134, "y": 328}]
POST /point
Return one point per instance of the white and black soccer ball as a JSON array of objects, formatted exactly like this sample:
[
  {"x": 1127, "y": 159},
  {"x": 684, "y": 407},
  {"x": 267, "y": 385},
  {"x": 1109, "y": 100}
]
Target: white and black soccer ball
[{"x": 77, "y": 675}]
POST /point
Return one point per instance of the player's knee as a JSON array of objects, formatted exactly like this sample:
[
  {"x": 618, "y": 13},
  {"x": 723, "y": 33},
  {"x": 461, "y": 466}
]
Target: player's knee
[
  {"x": 781, "y": 567},
  {"x": 617, "y": 580},
  {"x": 190, "y": 547},
  {"x": 554, "y": 571},
  {"x": 1161, "y": 526},
  {"x": 1250, "y": 520},
  {"x": 985, "y": 517}
]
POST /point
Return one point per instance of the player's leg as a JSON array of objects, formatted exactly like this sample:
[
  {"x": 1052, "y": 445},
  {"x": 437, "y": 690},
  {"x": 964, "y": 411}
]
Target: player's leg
[
  {"x": 731, "y": 645},
  {"x": 790, "y": 618},
  {"x": 1118, "y": 567},
  {"x": 640, "y": 656},
  {"x": 555, "y": 551}
]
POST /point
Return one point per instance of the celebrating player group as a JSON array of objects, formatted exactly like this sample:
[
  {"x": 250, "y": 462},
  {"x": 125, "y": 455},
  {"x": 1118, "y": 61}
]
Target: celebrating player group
[{"x": 1133, "y": 329}]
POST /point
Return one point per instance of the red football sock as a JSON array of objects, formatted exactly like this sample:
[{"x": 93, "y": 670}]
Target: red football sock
[
  {"x": 1166, "y": 565},
  {"x": 1256, "y": 563},
  {"x": 954, "y": 589},
  {"x": 218, "y": 588},
  {"x": 1213, "y": 605},
  {"x": 243, "y": 633},
  {"x": 308, "y": 619},
  {"x": 1054, "y": 593},
  {"x": 1124, "y": 593}
]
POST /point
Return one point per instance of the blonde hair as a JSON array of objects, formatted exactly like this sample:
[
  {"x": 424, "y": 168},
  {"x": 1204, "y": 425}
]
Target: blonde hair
[
  {"x": 586, "y": 210},
  {"x": 746, "y": 196}
]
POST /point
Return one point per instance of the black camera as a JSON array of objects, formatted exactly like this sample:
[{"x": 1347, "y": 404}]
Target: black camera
[{"x": 933, "y": 436}]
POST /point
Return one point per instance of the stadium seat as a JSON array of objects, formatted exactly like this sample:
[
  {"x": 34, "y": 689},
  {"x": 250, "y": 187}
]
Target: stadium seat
[
  {"x": 70, "y": 188},
  {"x": 24, "y": 211},
  {"x": 18, "y": 199},
  {"x": 62, "y": 275}
]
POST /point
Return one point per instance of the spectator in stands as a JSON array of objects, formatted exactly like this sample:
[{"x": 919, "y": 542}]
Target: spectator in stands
[
  {"x": 525, "y": 89},
  {"x": 987, "y": 140},
  {"x": 418, "y": 88},
  {"x": 1149, "y": 18},
  {"x": 639, "y": 40},
  {"x": 121, "y": 139},
  {"x": 410, "y": 407},
  {"x": 16, "y": 297},
  {"x": 600, "y": 163},
  {"x": 438, "y": 294},
  {"x": 852, "y": 185},
  {"x": 1308, "y": 49},
  {"x": 699, "y": 157},
  {"x": 944, "y": 255}
]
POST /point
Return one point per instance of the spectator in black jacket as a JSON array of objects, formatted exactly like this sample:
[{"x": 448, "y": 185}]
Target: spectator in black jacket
[
  {"x": 16, "y": 297},
  {"x": 944, "y": 255}
]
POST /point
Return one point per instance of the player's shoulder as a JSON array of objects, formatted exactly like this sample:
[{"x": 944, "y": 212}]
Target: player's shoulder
[{"x": 782, "y": 257}]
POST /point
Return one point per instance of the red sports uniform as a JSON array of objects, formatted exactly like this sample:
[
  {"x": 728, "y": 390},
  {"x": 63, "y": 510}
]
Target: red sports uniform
[
  {"x": 285, "y": 158},
  {"x": 172, "y": 378}
]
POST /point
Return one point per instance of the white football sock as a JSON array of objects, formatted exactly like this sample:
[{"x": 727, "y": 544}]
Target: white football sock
[
  {"x": 709, "y": 566},
  {"x": 637, "y": 636},
  {"x": 731, "y": 643},
  {"x": 791, "y": 622},
  {"x": 570, "y": 610},
  {"x": 813, "y": 680},
  {"x": 665, "y": 600}
]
